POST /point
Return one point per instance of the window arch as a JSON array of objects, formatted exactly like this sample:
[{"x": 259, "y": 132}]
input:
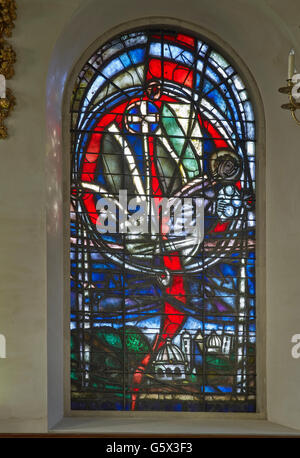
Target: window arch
[{"x": 161, "y": 114}]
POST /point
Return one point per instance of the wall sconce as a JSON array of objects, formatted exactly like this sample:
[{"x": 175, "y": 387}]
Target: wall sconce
[
  {"x": 292, "y": 89},
  {"x": 7, "y": 60}
]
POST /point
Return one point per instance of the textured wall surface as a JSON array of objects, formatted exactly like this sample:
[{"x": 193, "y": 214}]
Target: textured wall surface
[{"x": 50, "y": 37}]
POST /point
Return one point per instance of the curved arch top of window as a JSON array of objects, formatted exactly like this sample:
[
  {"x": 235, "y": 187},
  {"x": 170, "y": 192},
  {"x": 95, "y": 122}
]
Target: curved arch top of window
[{"x": 162, "y": 228}]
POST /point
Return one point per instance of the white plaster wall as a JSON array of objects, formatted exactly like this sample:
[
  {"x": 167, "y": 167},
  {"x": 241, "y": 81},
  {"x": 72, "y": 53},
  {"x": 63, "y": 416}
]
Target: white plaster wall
[{"x": 49, "y": 38}]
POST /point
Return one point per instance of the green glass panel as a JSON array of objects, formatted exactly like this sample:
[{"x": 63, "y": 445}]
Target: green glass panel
[{"x": 178, "y": 141}]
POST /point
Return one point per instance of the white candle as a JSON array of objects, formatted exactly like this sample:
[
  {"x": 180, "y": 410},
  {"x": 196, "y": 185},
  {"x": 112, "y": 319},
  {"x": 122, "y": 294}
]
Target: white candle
[
  {"x": 291, "y": 64},
  {"x": 2, "y": 87}
]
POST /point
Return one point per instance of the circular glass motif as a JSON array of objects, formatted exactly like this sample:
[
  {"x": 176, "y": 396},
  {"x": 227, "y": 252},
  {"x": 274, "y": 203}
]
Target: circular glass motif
[{"x": 164, "y": 124}]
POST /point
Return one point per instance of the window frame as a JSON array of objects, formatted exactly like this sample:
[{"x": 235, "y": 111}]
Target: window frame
[{"x": 219, "y": 45}]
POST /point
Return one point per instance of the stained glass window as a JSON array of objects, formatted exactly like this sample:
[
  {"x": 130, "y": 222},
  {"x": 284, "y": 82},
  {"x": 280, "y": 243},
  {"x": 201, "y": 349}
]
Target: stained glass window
[{"x": 162, "y": 228}]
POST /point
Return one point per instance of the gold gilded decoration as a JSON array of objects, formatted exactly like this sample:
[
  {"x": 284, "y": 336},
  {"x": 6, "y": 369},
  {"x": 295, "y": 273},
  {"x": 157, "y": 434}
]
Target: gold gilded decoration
[
  {"x": 7, "y": 17},
  {"x": 6, "y": 106},
  {"x": 7, "y": 58}
]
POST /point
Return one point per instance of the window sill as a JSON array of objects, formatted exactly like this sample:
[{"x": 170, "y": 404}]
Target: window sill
[{"x": 185, "y": 424}]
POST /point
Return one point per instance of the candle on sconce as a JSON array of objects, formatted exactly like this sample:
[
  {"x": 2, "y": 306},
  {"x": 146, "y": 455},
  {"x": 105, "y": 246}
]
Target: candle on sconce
[
  {"x": 2, "y": 87},
  {"x": 291, "y": 64}
]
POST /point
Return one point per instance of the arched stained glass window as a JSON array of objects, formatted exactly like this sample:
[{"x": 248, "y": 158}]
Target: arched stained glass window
[{"x": 162, "y": 228}]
